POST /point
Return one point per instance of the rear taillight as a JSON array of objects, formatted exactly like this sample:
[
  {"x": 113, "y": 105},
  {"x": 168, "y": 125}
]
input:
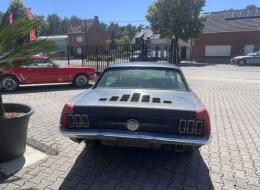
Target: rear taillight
[
  {"x": 202, "y": 114},
  {"x": 67, "y": 110},
  {"x": 199, "y": 126},
  {"x": 69, "y": 119}
]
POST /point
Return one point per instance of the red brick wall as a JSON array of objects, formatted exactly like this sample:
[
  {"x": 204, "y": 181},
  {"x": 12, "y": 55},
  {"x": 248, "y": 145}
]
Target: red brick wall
[
  {"x": 96, "y": 35},
  {"x": 237, "y": 40}
]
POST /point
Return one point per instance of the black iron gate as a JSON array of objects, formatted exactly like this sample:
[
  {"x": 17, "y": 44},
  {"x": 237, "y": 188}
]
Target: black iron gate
[{"x": 101, "y": 57}]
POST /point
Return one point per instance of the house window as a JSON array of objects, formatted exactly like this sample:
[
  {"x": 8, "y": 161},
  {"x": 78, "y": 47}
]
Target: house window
[
  {"x": 79, "y": 51},
  {"x": 79, "y": 39},
  {"x": 218, "y": 50}
]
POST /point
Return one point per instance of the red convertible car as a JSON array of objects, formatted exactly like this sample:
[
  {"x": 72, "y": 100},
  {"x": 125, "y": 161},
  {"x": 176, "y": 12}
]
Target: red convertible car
[{"x": 39, "y": 70}]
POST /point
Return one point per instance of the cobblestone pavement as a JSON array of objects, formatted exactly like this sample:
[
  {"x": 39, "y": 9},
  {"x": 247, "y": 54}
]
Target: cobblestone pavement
[{"x": 231, "y": 161}]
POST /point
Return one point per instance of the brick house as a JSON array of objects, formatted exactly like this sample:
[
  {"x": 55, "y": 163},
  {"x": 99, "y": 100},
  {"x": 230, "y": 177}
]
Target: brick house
[
  {"x": 228, "y": 34},
  {"x": 78, "y": 39}
]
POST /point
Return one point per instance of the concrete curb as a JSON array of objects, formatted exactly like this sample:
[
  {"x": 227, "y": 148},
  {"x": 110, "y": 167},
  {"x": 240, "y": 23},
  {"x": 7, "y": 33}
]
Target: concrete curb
[{"x": 42, "y": 147}]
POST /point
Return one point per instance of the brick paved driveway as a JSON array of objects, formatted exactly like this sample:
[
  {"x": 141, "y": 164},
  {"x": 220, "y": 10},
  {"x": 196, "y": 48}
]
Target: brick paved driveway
[{"x": 231, "y": 161}]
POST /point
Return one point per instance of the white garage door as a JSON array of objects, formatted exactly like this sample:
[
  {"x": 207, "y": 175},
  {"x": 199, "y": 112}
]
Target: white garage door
[{"x": 219, "y": 50}]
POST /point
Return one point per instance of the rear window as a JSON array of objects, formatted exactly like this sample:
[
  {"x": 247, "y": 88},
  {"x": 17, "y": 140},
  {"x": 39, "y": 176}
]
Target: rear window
[{"x": 142, "y": 78}]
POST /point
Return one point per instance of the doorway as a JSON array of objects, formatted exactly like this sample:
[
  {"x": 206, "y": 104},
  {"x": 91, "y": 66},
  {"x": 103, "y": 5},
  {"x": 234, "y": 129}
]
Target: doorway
[{"x": 183, "y": 52}]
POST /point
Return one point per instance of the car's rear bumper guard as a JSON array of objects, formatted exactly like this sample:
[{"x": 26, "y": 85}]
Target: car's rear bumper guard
[{"x": 129, "y": 135}]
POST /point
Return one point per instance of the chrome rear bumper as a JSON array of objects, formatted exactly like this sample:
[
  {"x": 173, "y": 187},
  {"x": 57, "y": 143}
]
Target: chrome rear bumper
[{"x": 155, "y": 138}]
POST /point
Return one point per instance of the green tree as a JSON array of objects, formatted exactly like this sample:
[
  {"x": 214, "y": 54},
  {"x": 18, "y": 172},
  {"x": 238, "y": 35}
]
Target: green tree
[
  {"x": 20, "y": 28},
  {"x": 65, "y": 26},
  {"x": 1, "y": 18},
  {"x": 54, "y": 24},
  {"x": 42, "y": 29},
  {"x": 17, "y": 9},
  {"x": 176, "y": 19}
]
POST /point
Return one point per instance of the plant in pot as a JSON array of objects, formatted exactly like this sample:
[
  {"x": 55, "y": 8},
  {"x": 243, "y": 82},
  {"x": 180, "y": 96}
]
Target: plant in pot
[{"x": 14, "y": 118}]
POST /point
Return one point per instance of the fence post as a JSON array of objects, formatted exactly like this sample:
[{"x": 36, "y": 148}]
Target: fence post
[
  {"x": 145, "y": 52},
  {"x": 107, "y": 54},
  {"x": 68, "y": 54},
  {"x": 142, "y": 51},
  {"x": 132, "y": 52},
  {"x": 82, "y": 56},
  {"x": 171, "y": 53},
  {"x": 97, "y": 58}
]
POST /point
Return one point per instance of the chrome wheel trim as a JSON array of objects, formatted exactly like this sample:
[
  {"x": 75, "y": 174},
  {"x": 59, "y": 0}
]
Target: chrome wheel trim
[
  {"x": 81, "y": 80},
  {"x": 9, "y": 84}
]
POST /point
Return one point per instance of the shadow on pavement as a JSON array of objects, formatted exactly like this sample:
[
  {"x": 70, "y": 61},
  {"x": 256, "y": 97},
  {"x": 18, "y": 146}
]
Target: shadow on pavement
[
  {"x": 130, "y": 168},
  {"x": 45, "y": 88},
  {"x": 197, "y": 64},
  {"x": 7, "y": 169}
]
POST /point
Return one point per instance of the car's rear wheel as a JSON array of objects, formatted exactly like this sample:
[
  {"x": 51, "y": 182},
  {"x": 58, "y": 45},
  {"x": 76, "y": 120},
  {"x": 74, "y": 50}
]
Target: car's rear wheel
[
  {"x": 9, "y": 83},
  {"x": 81, "y": 81},
  {"x": 241, "y": 62}
]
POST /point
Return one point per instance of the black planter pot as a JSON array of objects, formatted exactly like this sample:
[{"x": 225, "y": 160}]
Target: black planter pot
[{"x": 13, "y": 132}]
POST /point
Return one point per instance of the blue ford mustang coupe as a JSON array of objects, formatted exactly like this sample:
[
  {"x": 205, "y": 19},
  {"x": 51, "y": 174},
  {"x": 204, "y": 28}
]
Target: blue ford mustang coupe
[{"x": 138, "y": 104}]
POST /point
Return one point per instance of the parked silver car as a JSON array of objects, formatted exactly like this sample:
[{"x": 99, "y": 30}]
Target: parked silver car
[{"x": 250, "y": 59}]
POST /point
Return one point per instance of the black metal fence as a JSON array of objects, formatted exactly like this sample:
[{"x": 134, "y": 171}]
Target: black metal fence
[{"x": 101, "y": 57}]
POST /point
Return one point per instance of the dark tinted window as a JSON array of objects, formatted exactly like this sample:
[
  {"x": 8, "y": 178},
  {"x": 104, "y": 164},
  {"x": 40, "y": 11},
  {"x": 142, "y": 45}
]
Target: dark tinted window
[{"x": 142, "y": 78}]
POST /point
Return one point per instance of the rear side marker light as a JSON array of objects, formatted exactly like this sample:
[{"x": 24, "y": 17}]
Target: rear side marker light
[
  {"x": 198, "y": 128},
  {"x": 190, "y": 128},
  {"x": 182, "y": 126}
]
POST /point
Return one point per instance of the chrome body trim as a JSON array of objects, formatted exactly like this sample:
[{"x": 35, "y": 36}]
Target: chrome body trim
[{"x": 101, "y": 134}]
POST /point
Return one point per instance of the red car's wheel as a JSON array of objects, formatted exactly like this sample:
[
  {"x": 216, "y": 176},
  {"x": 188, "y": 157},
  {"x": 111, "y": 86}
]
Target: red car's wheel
[
  {"x": 81, "y": 81},
  {"x": 9, "y": 83}
]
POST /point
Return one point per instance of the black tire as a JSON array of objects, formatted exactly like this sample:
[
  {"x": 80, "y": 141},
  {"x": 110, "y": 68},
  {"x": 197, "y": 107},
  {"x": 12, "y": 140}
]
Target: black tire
[
  {"x": 81, "y": 81},
  {"x": 9, "y": 83},
  {"x": 241, "y": 62}
]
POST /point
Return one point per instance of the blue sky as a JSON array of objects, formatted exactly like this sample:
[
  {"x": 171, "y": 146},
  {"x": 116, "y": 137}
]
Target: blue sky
[{"x": 113, "y": 10}]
